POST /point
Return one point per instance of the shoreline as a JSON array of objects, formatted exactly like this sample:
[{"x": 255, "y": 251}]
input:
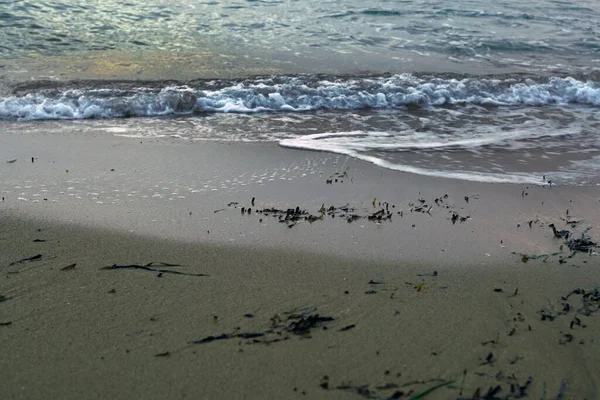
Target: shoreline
[{"x": 195, "y": 192}]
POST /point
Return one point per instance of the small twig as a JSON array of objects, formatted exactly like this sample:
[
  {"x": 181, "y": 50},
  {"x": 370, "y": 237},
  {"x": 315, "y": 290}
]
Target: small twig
[{"x": 148, "y": 267}]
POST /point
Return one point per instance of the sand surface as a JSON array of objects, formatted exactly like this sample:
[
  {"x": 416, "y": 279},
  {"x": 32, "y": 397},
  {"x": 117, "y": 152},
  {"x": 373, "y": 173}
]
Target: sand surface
[{"x": 416, "y": 300}]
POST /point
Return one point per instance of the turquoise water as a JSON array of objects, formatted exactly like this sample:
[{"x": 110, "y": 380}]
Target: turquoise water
[
  {"x": 493, "y": 91},
  {"x": 535, "y": 36}
]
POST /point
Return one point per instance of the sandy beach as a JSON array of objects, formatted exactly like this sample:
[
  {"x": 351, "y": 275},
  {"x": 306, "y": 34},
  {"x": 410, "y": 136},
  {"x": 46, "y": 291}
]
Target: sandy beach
[{"x": 297, "y": 275}]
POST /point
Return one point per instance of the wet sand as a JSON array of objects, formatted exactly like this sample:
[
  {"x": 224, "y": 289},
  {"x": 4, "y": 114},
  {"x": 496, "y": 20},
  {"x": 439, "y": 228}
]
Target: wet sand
[{"x": 416, "y": 300}]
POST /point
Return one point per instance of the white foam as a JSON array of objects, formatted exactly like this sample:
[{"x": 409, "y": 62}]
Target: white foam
[
  {"x": 335, "y": 143},
  {"x": 294, "y": 94},
  {"x": 411, "y": 140}
]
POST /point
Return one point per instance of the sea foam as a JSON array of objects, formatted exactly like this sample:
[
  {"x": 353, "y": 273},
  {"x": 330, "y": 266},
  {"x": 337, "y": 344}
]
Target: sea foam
[{"x": 300, "y": 93}]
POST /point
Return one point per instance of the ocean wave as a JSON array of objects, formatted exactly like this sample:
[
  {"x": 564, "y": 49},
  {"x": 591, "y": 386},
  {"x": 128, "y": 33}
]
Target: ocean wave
[
  {"x": 339, "y": 144},
  {"x": 373, "y": 141},
  {"x": 297, "y": 94}
]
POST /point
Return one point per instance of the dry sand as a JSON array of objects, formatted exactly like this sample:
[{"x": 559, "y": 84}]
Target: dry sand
[{"x": 421, "y": 304}]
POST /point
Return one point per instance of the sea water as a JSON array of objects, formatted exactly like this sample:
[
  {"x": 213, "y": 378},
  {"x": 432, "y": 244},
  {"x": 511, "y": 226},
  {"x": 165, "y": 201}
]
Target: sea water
[{"x": 488, "y": 91}]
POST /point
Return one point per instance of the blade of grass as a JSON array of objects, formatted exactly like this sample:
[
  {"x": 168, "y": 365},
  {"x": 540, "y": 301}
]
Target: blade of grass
[{"x": 431, "y": 389}]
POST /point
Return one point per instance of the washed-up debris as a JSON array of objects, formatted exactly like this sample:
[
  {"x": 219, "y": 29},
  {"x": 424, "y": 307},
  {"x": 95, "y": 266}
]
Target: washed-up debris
[
  {"x": 362, "y": 390},
  {"x": 590, "y": 300},
  {"x": 565, "y": 338},
  {"x": 3, "y": 298},
  {"x": 580, "y": 303},
  {"x": 582, "y": 244},
  {"x": 544, "y": 257},
  {"x": 12, "y": 161},
  {"x": 37, "y": 257},
  {"x": 562, "y": 234},
  {"x": 69, "y": 267},
  {"x": 380, "y": 215},
  {"x": 337, "y": 176},
  {"x": 425, "y": 209},
  {"x": 302, "y": 324},
  {"x": 291, "y": 216},
  {"x": 296, "y": 322},
  {"x": 516, "y": 359},
  {"x": 491, "y": 342},
  {"x": 547, "y": 315},
  {"x": 577, "y": 322},
  {"x": 164, "y": 354},
  {"x": 498, "y": 392},
  {"x": 353, "y": 218},
  {"x": 6, "y": 323},
  {"x": 384, "y": 211},
  {"x": 211, "y": 338},
  {"x": 347, "y": 327},
  {"x": 456, "y": 217},
  {"x": 150, "y": 267},
  {"x": 573, "y": 223},
  {"x": 489, "y": 359},
  {"x": 377, "y": 392},
  {"x": 225, "y": 336}
]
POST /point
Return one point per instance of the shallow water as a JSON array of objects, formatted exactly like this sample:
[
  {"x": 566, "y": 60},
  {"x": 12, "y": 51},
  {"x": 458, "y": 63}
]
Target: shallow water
[
  {"x": 535, "y": 36},
  {"x": 487, "y": 91}
]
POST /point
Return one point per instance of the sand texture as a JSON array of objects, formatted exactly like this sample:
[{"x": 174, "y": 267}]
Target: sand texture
[{"x": 123, "y": 274}]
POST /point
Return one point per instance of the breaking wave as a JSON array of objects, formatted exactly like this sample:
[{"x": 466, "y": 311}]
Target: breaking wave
[{"x": 297, "y": 94}]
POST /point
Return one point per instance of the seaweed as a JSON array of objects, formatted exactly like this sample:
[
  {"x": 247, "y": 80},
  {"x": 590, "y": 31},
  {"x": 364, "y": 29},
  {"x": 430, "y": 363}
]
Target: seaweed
[
  {"x": 456, "y": 217},
  {"x": 225, "y": 336},
  {"x": 37, "y": 257},
  {"x": 563, "y": 234},
  {"x": 303, "y": 324},
  {"x": 544, "y": 257},
  {"x": 366, "y": 392},
  {"x": 348, "y": 327},
  {"x": 296, "y": 322},
  {"x": 209, "y": 339},
  {"x": 150, "y": 267},
  {"x": 582, "y": 244},
  {"x": 383, "y": 210}
]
